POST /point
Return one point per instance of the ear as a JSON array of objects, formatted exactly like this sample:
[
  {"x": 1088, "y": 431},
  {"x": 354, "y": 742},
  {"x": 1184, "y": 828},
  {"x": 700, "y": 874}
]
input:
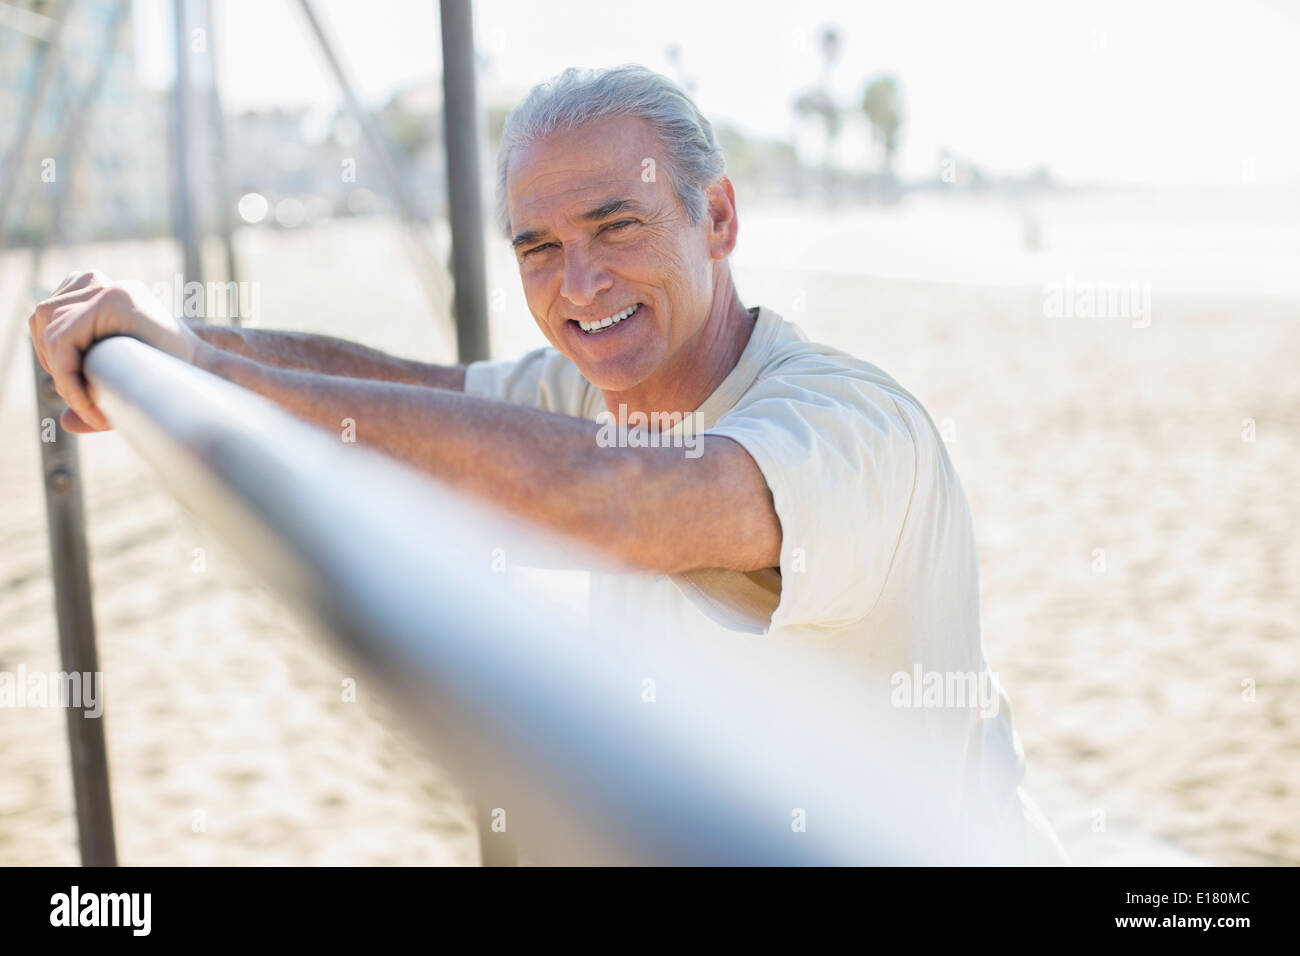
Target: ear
[{"x": 720, "y": 214}]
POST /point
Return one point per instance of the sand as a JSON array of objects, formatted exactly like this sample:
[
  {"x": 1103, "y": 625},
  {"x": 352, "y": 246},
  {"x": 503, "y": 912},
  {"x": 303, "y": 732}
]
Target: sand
[{"x": 1071, "y": 436}]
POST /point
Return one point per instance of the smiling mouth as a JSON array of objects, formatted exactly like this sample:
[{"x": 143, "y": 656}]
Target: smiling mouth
[{"x": 600, "y": 325}]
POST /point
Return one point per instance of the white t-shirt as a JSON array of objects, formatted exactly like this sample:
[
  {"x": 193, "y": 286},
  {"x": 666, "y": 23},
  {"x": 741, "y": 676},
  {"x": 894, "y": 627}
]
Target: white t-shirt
[{"x": 878, "y": 565}]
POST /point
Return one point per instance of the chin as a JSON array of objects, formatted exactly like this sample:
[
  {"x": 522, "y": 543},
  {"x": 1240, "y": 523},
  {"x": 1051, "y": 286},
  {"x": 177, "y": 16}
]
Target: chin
[
  {"x": 614, "y": 376},
  {"x": 613, "y": 382}
]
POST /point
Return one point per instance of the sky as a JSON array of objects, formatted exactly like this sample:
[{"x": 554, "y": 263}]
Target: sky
[{"x": 1157, "y": 92}]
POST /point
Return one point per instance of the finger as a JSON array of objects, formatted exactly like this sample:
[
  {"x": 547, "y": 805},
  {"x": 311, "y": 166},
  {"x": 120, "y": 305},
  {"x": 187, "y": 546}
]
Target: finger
[
  {"x": 46, "y": 313},
  {"x": 43, "y": 315},
  {"x": 74, "y": 423},
  {"x": 78, "y": 294},
  {"x": 36, "y": 342},
  {"x": 65, "y": 362},
  {"x": 70, "y": 278},
  {"x": 79, "y": 280}
]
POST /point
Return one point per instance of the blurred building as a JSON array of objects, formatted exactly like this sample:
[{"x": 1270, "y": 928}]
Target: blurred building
[
  {"x": 278, "y": 158},
  {"x": 117, "y": 174}
]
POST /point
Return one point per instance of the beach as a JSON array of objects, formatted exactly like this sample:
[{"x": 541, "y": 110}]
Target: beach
[{"x": 1131, "y": 480}]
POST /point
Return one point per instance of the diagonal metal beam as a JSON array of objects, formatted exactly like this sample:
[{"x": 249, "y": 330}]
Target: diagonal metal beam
[
  {"x": 65, "y": 153},
  {"x": 426, "y": 265},
  {"x": 13, "y": 184}
]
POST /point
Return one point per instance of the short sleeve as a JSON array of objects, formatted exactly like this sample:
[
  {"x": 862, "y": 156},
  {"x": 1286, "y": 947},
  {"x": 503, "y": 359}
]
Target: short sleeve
[
  {"x": 839, "y": 455},
  {"x": 543, "y": 378}
]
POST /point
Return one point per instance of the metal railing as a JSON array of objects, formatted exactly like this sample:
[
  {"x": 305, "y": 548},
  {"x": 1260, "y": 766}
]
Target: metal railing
[{"x": 743, "y": 755}]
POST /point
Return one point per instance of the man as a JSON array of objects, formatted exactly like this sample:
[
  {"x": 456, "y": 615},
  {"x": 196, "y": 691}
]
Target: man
[{"x": 818, "y": 504}]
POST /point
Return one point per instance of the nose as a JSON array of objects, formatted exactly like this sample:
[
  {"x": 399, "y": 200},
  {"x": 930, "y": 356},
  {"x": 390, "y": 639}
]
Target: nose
[{"x": 584, "y": 276}]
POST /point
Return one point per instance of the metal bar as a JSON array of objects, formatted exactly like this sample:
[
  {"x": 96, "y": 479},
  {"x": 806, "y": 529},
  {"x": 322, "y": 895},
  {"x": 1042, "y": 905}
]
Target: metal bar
[
  {"x": 517, "y": 697},
  {"x": 464, "y": 190},
  {"x": 221, "y": 160},
  {"x": 38, "y": 26},
  {"x": 388, "y": 164},
  {"x": 70, "y": 569},
  {"x": 495, "y": 849},
  {"x": 186, "y": 225},
  {"x": 74, "y": 121},
  {"x": 468, "y": 268}
]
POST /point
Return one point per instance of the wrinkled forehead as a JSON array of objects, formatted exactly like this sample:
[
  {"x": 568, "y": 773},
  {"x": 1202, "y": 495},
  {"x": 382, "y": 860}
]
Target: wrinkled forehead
[{"x": 566, "y": 173}]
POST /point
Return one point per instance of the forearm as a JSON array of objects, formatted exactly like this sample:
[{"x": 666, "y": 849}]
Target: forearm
[
  {"x": 650, "y": 508},
  {"x": 327, "y": 355}
]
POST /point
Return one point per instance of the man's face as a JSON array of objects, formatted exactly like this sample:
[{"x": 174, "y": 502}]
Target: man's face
[{"x": 594, "y": 239}]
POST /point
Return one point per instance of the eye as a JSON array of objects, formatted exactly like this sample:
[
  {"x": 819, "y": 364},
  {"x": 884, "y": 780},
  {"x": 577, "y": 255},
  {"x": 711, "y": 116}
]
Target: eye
[
  {"x": 545, "y": 245},
  {"x": 618, "y": 225}
]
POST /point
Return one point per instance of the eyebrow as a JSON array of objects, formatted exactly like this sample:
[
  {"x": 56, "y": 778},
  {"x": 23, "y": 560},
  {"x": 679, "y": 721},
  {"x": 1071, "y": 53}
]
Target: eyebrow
[{"x": 609, "y": 207}]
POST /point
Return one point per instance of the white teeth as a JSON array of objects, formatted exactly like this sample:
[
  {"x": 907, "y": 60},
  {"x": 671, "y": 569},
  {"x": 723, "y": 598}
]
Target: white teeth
[{"x": 609, "y": 320}]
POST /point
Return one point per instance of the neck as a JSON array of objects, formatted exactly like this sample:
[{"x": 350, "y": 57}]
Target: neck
[{"x": 697, "y": 368}]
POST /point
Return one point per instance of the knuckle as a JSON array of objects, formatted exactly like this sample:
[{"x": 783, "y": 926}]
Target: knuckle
[
  {"x": 115, "y": 295},
  {"x": 55, "y": 340}
]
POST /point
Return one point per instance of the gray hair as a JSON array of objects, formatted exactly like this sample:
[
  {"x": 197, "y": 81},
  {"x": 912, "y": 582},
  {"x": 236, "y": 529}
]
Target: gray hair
[{"x": 578, "y": 97}]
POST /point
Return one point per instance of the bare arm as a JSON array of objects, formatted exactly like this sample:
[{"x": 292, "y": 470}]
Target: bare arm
[
  {"x": 653, "y": 508},
  {"x": 328, "y": 356}
]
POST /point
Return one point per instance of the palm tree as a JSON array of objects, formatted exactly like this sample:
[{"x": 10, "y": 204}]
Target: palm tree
[
  {"x": 818, "y": 103},
  {"x": 883, "y": 106},
  {"x": 829, "y": 41}
]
